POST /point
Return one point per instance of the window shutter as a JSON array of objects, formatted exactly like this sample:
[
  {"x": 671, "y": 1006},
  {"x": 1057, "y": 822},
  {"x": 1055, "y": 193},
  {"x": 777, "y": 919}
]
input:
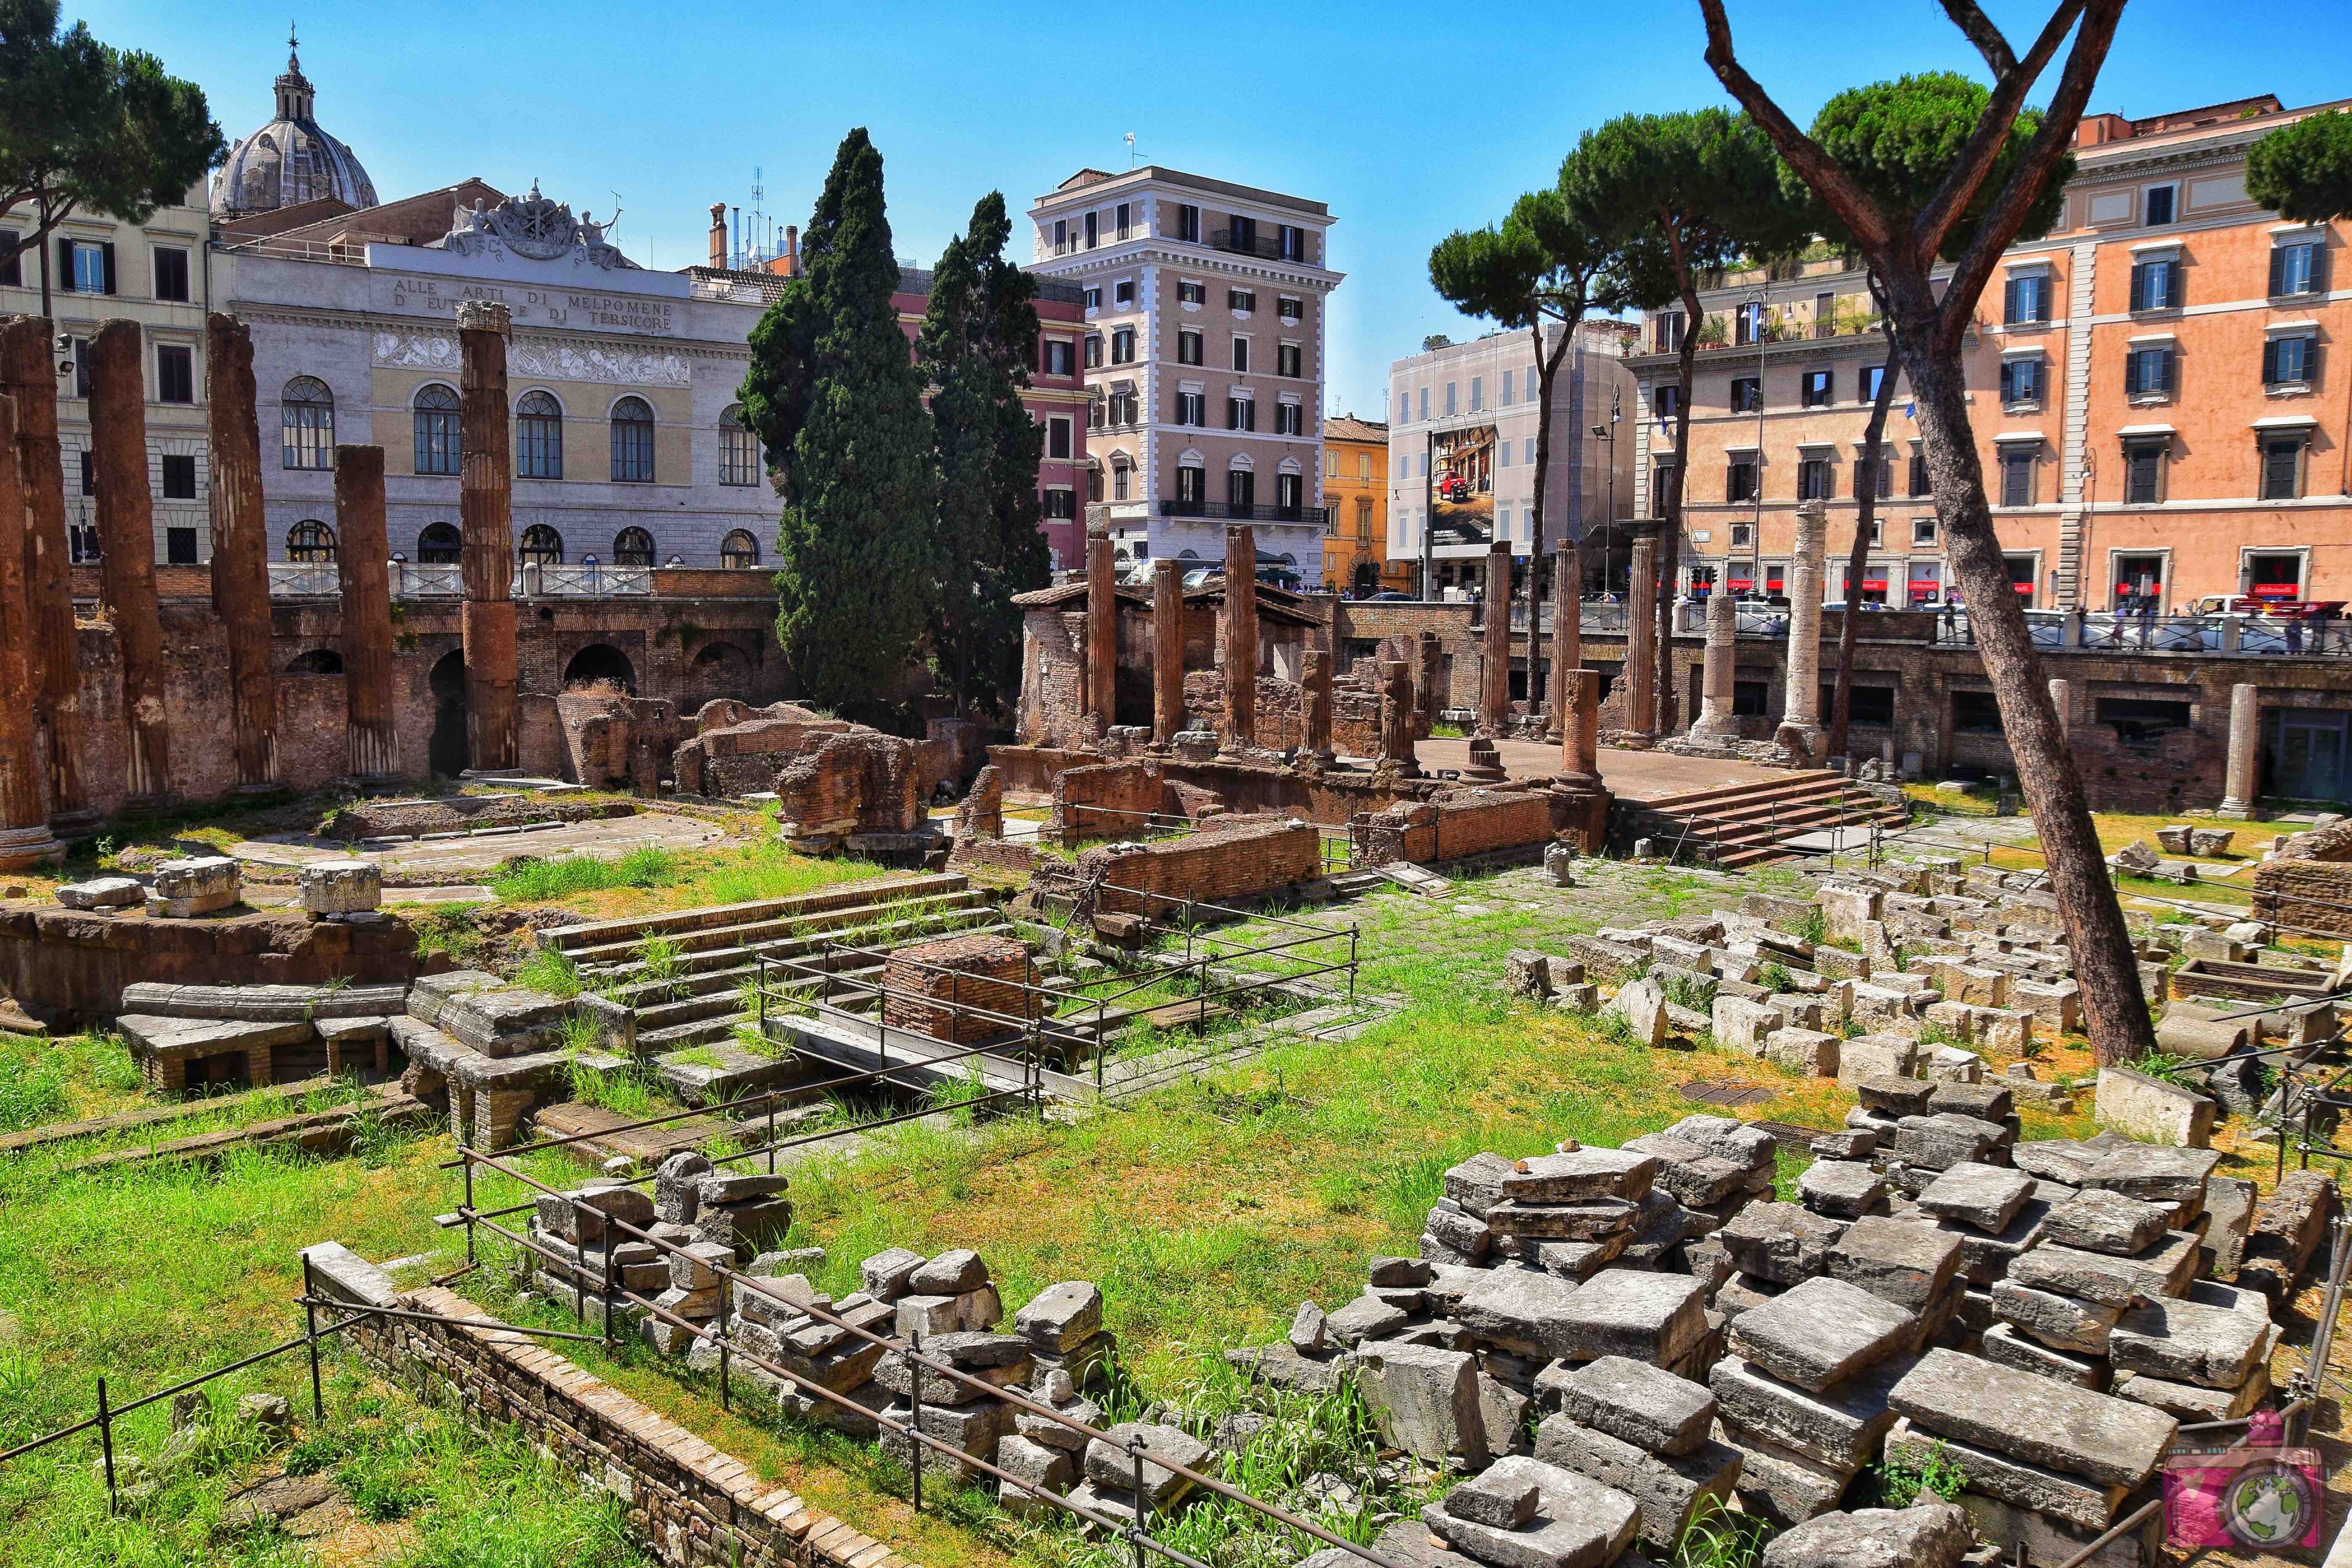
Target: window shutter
[
  {"x": 2138, "y": 286},
  {"x": 65, "y": 264},
  {"x": 2008, "y": 300},
  {"x": 2169, "y": 362},
  {"x": 2176, "y": 286},
  {"x": 2278, "y": 275},
  {"x": 2270, "y": 347},
  {"x": 106, "y": 260},
  {"x": 2319, "y": 269}
]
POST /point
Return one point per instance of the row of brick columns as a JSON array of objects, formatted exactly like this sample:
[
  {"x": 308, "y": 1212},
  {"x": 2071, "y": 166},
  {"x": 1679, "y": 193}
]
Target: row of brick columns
[
  {"x": 126, "y": 542},
  {"x": 25, "y": 837},
  {"x": 241, "y": 551},
  {"x": 29, "y": 375},
  {"x": 363, "y": 572},
  {"x": 486, "y": 517}
]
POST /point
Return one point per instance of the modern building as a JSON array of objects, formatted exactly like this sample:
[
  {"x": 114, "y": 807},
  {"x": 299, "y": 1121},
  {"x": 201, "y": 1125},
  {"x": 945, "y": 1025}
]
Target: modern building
[
  {"x": 1355, "y": 559},
  {"x": 1462, "y": 450},
  {"x": 2147, "y": 385},
  {"x": 1203, "y": 356}
]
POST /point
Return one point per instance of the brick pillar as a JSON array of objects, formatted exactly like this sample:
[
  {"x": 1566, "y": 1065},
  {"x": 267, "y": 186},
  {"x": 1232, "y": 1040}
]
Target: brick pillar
[
  {"x": 1567, "y": 636},
  {"x": 1580, "y": 733},
  {"x": 1714, "y": 719},
  {"x": 1800, "y": 697},
  {"x": 1397, "y": 719},
  {"x": 25, "y": 838},
  {"x": 29, "y": 374},
  {"x": 1102, "y": 630},
  {"x": 1495, "y": 661},
  {"x": 241, "y": 549},
  {"x": 1642, "y": 638},
  {"x": 2245, "y": 744},
  {"x": 1167, "y": 652},
  {"x": 486, "y": 507},
  {"x": 1241, "y": 634},
  {"x": 1314, "y": 704},
  {"x": 363, "y": 568},
  {"x": 1427, "y": 697},
  {"x": 126, "y": 542}
]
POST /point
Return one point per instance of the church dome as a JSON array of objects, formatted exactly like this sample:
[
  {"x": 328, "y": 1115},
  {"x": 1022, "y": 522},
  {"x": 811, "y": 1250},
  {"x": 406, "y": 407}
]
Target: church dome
[{"x": 290, "y": 159}]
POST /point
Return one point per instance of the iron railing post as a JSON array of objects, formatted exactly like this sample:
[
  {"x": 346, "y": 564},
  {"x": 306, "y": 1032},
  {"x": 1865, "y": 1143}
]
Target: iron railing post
[
  {"x": 106, "y": 1445},
  {"x": 310, "y": 1333},
  {"x": 465, "y": 1158},
  {"x": 607, "y": 1302},
  {"x": 771, "y": 1133},
  {"x": 915, "y": 1419},
  {"x": 1143, "y": 1507},
  {"x": 726, "y": 1300},
  {"x": 579, "y": 1275}
]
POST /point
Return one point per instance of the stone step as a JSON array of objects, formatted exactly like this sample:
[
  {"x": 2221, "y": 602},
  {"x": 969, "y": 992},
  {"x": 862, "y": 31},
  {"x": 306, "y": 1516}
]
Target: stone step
[
  {"x": 799, "y": 939},
  {"x": 722, "y": 938},
  {"x": 1811, "y": 783},
  {"x": 605, "y": 933}
]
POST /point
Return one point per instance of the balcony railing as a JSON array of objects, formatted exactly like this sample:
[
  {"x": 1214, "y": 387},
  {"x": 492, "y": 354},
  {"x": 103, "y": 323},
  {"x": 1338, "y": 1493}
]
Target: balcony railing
[
  {"x": 1235, "y": 511},
  {"x": 556, "y": 581},
  {"x": 415, "y": 580},
  {"x": 2094, "y": 631},
  {"x": 1268, "y": 246},
  {"x": 303, "y": 580}
]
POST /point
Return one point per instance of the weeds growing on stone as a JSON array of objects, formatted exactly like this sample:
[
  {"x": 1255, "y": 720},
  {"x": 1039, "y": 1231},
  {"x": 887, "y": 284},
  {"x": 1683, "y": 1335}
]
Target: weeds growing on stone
[{"x": 1900, "y": 1482}]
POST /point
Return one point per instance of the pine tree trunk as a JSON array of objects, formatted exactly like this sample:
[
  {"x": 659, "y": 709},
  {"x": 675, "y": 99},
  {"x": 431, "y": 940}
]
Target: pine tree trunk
[{"x": 2114, "y": 1009}]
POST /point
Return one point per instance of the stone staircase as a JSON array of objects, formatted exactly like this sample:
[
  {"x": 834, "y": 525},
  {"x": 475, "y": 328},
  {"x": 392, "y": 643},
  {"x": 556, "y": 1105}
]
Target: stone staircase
[{"x": 1741, "y": 825}]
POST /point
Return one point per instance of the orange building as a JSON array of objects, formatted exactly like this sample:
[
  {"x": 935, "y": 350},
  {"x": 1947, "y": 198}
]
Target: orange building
[
  {"x": 2150, "y": 388},
  {"x": 1355, "y": 490}
]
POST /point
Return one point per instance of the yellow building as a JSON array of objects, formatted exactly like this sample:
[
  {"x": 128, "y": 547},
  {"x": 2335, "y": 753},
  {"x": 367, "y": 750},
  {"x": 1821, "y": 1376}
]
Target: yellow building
[{"x": 1355, "y": 491}]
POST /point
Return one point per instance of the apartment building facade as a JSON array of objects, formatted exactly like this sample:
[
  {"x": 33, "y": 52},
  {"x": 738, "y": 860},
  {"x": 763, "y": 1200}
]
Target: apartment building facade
[
  {"x": 155, "y": 273},
  {"x": 1355, "y": 559},
  {"x": 1462, "y": 448},
  {"x": 2149, "y": 386},
  {"x": 1204, "y": 304}
]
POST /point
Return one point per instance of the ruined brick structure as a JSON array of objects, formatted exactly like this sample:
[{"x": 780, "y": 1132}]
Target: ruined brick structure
[
  {"x": 860, "y": 782},
  {"x": 362, "y": 570},
  {"x": 1110, "y": 799},
  {"x": 1226, "y": 860},
  {"x": 735, "y": 751},
  {"x": 29, "y": 375},
  {"x": 126, "y": 532},
  {"x": 1452, "y": 824},
  {"x": 25, "y": 838},
  {"x": 2308, "y": 896},
  {"x": 241, "y": 549},
  {"x": 927, "y": 987},
  {"x": 486, "y": 506}
]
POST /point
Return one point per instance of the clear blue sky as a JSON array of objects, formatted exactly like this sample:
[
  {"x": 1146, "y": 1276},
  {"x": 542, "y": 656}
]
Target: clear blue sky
[{"x": 1408, "y": 119}]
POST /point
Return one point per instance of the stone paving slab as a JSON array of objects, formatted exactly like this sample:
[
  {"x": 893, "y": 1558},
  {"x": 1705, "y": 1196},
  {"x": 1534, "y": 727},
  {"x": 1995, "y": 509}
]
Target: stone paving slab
[{"x": 2036, "y": 1419}]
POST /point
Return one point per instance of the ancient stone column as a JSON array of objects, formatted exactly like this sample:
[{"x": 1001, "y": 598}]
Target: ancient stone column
[
  {"x": 241, "y": 549},
  {"x": 1801, "y": 700},
  {"x": 1314, "y": 704},
  {"x": 1241, "y": 634},
  {"x": 1102, "y": 630},
  {"x": 2062, "y": 702},
  {"x": 1396, "y": 720},
  {"x": 1642, "y": 637},
  {"x": 1429, "y": 695},
  {"x": 29, "y": 374},
  {"x": 1567, "y": 636},
  {"x": 363, "y": 568},
  {"x": 126, "y": 542},
  {"x": 2245, "y": 743},
  {"x": 1167, "y": 652},
  {"x": 1495, "y": 661},
  {"x": 485, "y": 508},
  {"x": 1714, "y": 719},
  {"x": 1579, "y": 734},
  {"x": 25, "y": 838}
]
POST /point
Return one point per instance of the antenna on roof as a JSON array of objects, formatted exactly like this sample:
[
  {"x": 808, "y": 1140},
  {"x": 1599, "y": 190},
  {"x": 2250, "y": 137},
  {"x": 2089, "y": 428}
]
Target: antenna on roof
[{"x": 1130, "y": 149}]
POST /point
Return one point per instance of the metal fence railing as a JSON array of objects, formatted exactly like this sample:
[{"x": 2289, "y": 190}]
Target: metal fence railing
[{"x": 2107, "y": 631}]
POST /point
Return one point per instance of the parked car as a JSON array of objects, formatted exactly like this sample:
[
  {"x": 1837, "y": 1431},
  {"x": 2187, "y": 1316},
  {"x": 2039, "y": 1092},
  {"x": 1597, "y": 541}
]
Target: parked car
[{"x": 1392, "y": 597}]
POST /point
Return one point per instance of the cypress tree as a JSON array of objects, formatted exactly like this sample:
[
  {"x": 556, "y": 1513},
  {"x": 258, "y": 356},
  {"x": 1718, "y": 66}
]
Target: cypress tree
[
  {"x": 979, "y": 338},
  {"x": 834, "y": 393}
]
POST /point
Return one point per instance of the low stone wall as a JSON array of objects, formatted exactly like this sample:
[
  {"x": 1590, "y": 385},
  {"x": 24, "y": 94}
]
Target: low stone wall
[
  {"x": 1217, "y": 865},
  {"x": 1109, "y": 800},
  {"x": 461, "y": 813},
  {"x": 690, "y": 1503},
  {"x": 2312, "y": 896},
  {"x": 1451, "y": 826}
]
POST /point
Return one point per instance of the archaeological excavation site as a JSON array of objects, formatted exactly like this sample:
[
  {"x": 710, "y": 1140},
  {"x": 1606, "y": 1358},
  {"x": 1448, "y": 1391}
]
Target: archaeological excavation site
[{"x": 501, "y": 1066}]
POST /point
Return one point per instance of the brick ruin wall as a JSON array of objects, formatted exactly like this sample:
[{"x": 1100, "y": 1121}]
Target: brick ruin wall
[
  {"x": 2314, "y": 896},
  {"x": 1106, "y": 800},
  {"x": 691, "y": 1504},
  {"x": 1217, "y": 865},
  {"x": 926, "y": 986},
  {"x": 861, "y": 782},
  {"x": 1451, "y": 826}
]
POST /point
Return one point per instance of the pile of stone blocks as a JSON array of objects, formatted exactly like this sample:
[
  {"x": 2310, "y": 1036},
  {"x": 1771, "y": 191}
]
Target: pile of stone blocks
[
  {"x": 1712, "y": 1167},
  {"x": 493, "y": 1049},
  {"x": 776, "y": 1320},
  {"x": 1647, "y": 1433},
  {"x": 2049, "y": 1465},
  {"x": 747, "y": 1213},
  {"x": 2286, "y": 1230},
  {"x": 187, "y": 1036},
  {"x": 1521, "y": 1512}
]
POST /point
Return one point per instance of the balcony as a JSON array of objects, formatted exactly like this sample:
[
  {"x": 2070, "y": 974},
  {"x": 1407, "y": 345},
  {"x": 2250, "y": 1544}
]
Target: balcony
[
  {"x": 1231, "y": 511},
  {"x": 417, "y": 579},
  {"x": 1267, "y": 247}
]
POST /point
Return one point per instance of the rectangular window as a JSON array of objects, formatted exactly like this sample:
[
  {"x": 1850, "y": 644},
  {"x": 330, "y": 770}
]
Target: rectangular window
[
  {"x": 2281, "y": 467},
  {"x": 1424, "y": 402},
  {"x": 2159, "y": 206},
  {"x": 2290, "y": 361},
  {"x": 1061, "y": 503},
  {"x": 1241, "y": 490},
  {"x": 2144, "y": 472},
  {"x": 1886, "y": 477},
  {"x": 2297, "y": 269},
  {"x": 1449, "y": 397},
  {"x": 1528, "y": 450},
  {"x": 88, "y": 472},
  {"x": 1866, "y": 386},
  {"x": 1923, "y": 531},
  {"x": 1816, "y": 478},
  {"x": 171, "y": 274},
  {"x": 1192, "y": 408},
  {"x": 2142, "y": 719},
  {"x": 1669, "y": 332},
  {"x": 1289, "y": 307},
  {"x": 1094, "y": 350},
  {"x": 2026, "y": 299},
  {"x": 1288, "y": 358},
  {"x": 176, "y": 373},
  {"x": 1241, "y": 354},
  {"x": 1747, "y": 394},
  {"x": 1061, "y": 356},
  {"x": 2148, "y": 373},
  {"x": 1093, "y": 296},
  {"x": 1057, "y": 439},
  {"x": 1189, "y": 293},
  {"x": 1061, "y": 236},
  {"x": 180, "y": 547},
  {"x": 1122, "y": 293},
  {"x": 1816, "y": 389},
  {"x": 2017, "y": 478},
  {"x": 1241, "y": 413},
  {"x": 1188, "y": 348},
  {"x": 79, "y": 351},
  {"x": 2021, "y": 381},
  {"x": 1503, "y": 454},
  {"x": 1289, "y": 419},
  {"x": 1661, "y": 480},
  {"x": 179, "y": 475},
  {"x": 1477, "y": 392},
  {"x": 1872, "y": 706},
  {"x": 1122, "y": 346},
  {"x": 1289, "y": 495},
  {"x": 1094, "y": 230},
  {"x": 1241, "y": 300},
  {"x": 1739, "y": 477},
  {"x": 1188, "y": 222},
  {"x": 12, "y": 260},
  {"x": 1120, "y": 217},
  {"x": 1293, "y": 241},
  {"x": 2155, "y": 285},
  {"x": 1918, "y": 474},
  {"x": 1976, "y": 713},
  {"x": 1506, "y": 389},
  {"x": 1668, "y": 401},
  {"x": 86, "y": 269},
  {"x": 1405, "y": 408}
]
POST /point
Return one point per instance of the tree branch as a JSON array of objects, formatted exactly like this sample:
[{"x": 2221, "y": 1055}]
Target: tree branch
[
  {"x": 1863, "y": 219},
  {"x": 1969, "y": 18},
  {"x": 1982, "y": 148},
  {"x": 2032, "y": 177}
]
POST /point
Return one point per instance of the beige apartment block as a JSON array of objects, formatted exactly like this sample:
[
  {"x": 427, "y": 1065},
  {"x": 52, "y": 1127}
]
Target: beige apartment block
[
  {"x": 1206, "y": 304},
  {"x": 2150, "y": 386}
]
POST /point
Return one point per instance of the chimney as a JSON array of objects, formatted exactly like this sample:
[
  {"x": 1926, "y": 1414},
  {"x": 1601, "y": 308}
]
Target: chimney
[
  {"x": 787, "y": 265},
  {"x": 719, "y": 234}
]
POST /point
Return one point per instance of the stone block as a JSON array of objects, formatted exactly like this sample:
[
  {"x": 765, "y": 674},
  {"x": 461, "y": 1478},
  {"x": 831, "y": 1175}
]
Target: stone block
[
  {"x": 1846, "y": 908},
  {"x": 1777, "y": 1483},
  {"x": 101, "y": 893},
  {"x": 887, "y": 1275},
  {"x": 1639, "y": 1403},
  {"x": 1476, "y": 1183},
  {"x": 1424, "y": 1400},
  {"x": 2157, "y": 1174},
  {"x": 1110, "y": 1464},
  {"x": 1743, "y": 1026},
  {"x": 1986, "y": 1256},
  {"x": 1941, "y": 1141},
  {"x": 1526, "y": 973},
  {"x": 1936, "y": 1535},
  {"x": 1881, "y": 1009},
  {"x": 1809, "y": 1053},
  {"x": 1668, "y": 1491},
  {"x": 1781, "y": 1242},
  {"x": 1874, "y": 1056},
  {"x": 342, "y": 886},
  {"x": 1841, "y": 1429},
  {"x": 2009, "y": 1346},
  {"x": 1900, "y": 1260},
  {"x": 2111, "y": 1281},
  {"x": 952, "y": 1273},
  {"x": 2229, "y": 1207},
  {"x": 1577, "y": 1522},
  {"x": 2062, "y": 1322},
  {"x": 1061, "y": 1317},
  {"x": 1656, "y": 1318},
  {"x": 1841, "y": 1188},
  {"x": 2036, "y": 1419},
  {"x": 2141, "y": 1107},
  {"x": 1985, "y": 1196},
  {"x": 2185, "y": 1342},
  {"x": 2097, "y": 1220},
  {"x": 1820, "y": 1332},
  {"x": 2192, "y": 1402},
  {"x": 1579, "y": 1176},
  {"x": 1037, "y": 1470},
  {"x": 200, "y": 885},
  {"x": 2022, "y": 1483},
  {"x": 1366, "y": 1317}
]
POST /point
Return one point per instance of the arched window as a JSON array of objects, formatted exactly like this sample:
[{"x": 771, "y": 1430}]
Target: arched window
[
  {"x": 738, "y": 549},
  {"x": 738, "y": 450},
  {"x": 310, "y": 413},
  {"x": 439, "y": 545},
  {"x": 541, "y": 546},
  {"x": 310, "y": 540},
  {"x": 633, "y": 442},
  {"x": 538, "y": 438},
  {"x": 438, "y": 449},
  {"x": 632, "y": 547}
]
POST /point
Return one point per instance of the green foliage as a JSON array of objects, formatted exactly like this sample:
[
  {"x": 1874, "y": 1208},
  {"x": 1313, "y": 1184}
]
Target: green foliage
[
  {"x": 2305, "y": 170},
  {"x": 1694, "y": 992},
  {"x": 1717, "y": 1538},
  {"x": 832, "y": 391},
  {"x": 2166, "y": 1068},
  {"x": 552, "y": 971},
  {"x": 979, "y": 335},
  {"x": 1776, "y": 979},
  {"x": 1900, "y": 1482},
  {"x": 447, "y": 927},
  {"x": 525, "y": 880},
  {"x": 1900, "y": 139},
  {"x": 31, "y": 1084},
  {"x": 85, "y": 126},
  {"x": 1813, "y": 928}
]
